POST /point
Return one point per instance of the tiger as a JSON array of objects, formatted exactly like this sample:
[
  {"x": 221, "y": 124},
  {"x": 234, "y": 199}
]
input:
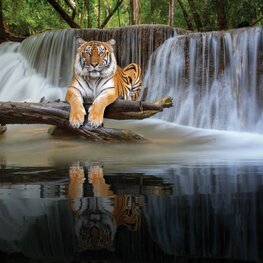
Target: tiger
[
  {"x": 97, "y": 218},
  {"x": 98, "y": 79}
]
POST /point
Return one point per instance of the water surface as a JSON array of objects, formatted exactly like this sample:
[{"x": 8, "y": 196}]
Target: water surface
[{"x": 191, "y": 195}]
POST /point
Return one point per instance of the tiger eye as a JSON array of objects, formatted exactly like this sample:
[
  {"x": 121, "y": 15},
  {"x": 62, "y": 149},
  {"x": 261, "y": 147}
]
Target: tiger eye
[
  {"x": 101, "y": 50},
  {"x": 88, "y": 50}
]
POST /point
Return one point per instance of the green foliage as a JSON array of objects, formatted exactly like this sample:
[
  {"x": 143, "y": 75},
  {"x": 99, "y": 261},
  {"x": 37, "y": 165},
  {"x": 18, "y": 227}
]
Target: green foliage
[{"x": 24, "y": 17}]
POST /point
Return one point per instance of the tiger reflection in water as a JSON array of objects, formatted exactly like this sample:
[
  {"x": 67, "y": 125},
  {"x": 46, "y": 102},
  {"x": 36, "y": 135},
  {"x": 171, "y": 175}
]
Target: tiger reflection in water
[{"x": 96, "y": 218}]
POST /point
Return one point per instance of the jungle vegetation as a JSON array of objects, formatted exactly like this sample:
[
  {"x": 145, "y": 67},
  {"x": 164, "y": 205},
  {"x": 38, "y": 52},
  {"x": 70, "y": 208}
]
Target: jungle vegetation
[{"x": 26, "y": 17}]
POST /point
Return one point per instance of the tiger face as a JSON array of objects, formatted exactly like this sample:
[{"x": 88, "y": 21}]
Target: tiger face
[
  {"x": 95, "y": 229},
  {"x": 95, "y": 59}
]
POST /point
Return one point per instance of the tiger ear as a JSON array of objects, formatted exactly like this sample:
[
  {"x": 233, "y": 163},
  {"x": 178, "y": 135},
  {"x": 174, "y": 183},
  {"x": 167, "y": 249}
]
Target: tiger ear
[
  {"x": 79, "y": 42},
  {"x": 112, "y": 43}
]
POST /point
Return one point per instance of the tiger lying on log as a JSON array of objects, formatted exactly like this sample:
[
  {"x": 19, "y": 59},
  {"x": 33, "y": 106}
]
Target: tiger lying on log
[{"x": 99, "y": 79}]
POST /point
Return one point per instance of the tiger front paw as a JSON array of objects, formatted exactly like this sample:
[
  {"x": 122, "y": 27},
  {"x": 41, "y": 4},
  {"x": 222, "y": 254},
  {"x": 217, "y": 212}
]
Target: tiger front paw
[
  {"x": 76, "y": 174},
  {"x": 77, "y": 117},
  {"x": 95, "y": 118}
]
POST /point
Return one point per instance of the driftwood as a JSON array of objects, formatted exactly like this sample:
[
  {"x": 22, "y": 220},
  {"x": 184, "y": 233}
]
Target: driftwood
[{"x": 57, "y": 113}]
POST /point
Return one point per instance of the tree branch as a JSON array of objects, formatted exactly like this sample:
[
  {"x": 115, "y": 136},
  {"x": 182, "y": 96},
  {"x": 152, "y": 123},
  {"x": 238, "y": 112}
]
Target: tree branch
[
  {"x": 57, "y": 113},
  {"x": 195, "y": 14},
  {"x": 107, "y": 19},
  {"x": 72, "y": 9},
  {"x": 63, "y": 14},
  {"x": 186, "y": 16}
]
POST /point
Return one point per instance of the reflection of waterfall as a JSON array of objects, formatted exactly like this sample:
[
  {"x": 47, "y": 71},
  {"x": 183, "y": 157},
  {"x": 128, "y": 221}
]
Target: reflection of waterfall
[
  {"x": 215, "y": 78},
  {"x": 37, "y": 228},
  {"x": 214, "y": 210}
]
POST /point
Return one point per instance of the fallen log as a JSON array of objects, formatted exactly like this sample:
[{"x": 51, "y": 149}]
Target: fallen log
[
  {"x": 57, "y": 113},
  {"x": 2, "y": 129}
]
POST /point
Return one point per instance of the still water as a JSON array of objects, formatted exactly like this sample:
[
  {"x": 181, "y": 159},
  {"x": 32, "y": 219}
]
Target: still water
[{"x": 190, "y": 195}]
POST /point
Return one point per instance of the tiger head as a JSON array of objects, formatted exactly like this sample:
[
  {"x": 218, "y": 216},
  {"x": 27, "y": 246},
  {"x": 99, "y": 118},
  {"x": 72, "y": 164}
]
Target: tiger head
[
  {"x": 95, "y": 227},
  {"x": 95, "y": 59}
]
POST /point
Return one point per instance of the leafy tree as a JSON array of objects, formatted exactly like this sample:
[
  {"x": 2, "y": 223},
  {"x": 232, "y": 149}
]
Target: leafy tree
[{"x": 25, "y": 17}]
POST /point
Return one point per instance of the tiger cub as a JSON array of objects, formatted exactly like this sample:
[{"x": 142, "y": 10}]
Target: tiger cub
[{"x": 98, "y": 78}]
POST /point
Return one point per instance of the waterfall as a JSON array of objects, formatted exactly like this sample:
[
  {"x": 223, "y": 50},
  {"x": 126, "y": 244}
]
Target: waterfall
[
  {"x": 215, "y": 78},
  {"x": 42, "y": 65},
  {"x": 51, "y": 54},
  {"x": 38, "y": 67}
]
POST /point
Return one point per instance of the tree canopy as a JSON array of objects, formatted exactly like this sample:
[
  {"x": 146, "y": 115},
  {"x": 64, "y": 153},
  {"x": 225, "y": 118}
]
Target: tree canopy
[{"x": 26, "y": 17}]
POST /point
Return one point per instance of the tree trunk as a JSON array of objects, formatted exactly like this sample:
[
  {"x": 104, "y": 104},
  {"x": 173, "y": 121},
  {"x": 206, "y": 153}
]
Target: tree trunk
[
  {"x": 186, "y": 16},
  {"x": 88, "y": 8},
  {"x": 196, "y": 16},
  {"x": 57, "y": 113},
  {"x": 99, "y": 7},
  {"x": 152, "y": 11},
  {"x": 2, "y": 28},
  {"x": 132, "y": 22},
  {"x": 171, "y": 13},
  {"x": 63, "y": 14},
  {"x": 221, "y": 14},
  {"x": 205, "y": 15},
  {"x": 136, "y": 12}
]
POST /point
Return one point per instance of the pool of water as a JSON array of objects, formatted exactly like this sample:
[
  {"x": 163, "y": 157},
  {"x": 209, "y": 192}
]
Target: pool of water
[{"x": 190, "y": 195}]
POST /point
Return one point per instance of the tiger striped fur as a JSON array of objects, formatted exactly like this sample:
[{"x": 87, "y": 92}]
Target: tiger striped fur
[
  {"x": 97, "y": 218},
  {"x": 98, "y": 78}
]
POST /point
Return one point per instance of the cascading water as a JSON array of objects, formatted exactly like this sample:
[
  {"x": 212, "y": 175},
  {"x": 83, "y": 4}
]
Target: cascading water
[
  {"x": 42, "y": 63},
  {"x": 37, "y": 67},
  {"x": 51, "y": 54},
  {"x": 216, "y": 79}
]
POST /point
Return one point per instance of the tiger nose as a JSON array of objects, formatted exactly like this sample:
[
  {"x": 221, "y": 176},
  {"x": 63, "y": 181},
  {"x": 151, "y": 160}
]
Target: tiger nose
[{"x": 94, "y": 64}]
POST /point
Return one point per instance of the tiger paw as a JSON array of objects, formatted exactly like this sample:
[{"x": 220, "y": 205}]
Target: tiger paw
[
  {"x": 76, "y": 117},
  {"x": 95, "y": 118},
  {"x": 76, "y": 174}
]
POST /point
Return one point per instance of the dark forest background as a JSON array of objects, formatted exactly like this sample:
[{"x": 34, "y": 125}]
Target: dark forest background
[{"x": 27, "y": 17}]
